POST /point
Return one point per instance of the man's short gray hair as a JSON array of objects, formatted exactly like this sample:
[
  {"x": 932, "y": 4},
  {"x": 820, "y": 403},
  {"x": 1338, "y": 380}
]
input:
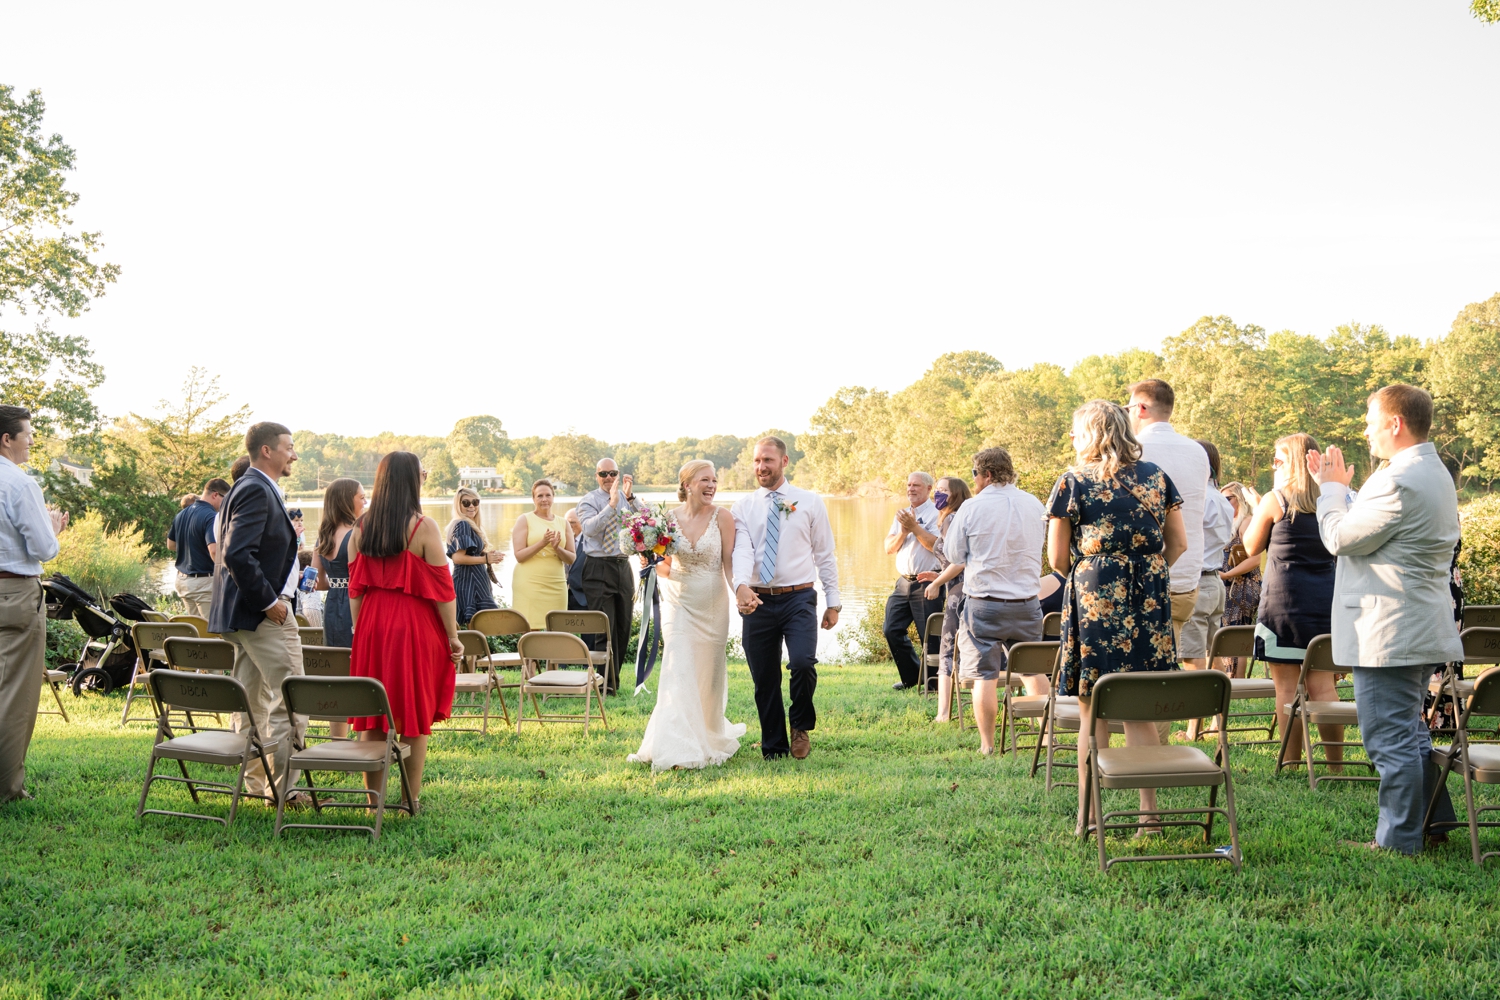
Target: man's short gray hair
[{"x": 925, "y": 478}]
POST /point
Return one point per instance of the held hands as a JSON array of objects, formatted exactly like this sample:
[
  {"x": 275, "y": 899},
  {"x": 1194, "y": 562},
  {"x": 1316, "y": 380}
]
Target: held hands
[
  {"x": 830, "y": 617},
  {"x": 455, "y": 649},
  {"x": 627, "y": 481},
  {"x": 933, "y": 591},
  {"x": 1329, "y": 467},
  {"x": 746, "y": 599},
  {"x": 550, "y": 539},
  {"x": 907, "y": 520}
]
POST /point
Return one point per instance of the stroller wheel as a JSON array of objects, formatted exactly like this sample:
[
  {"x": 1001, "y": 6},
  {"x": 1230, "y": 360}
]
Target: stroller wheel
[{"x": 93, "y": 679}]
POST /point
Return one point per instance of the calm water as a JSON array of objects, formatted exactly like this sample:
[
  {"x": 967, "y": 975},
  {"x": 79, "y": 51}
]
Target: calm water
[{"x": 866, "y": 573}]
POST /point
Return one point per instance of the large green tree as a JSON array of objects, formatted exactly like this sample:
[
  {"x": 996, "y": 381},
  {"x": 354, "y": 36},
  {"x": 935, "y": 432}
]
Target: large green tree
[{"x": 1464, "y": 374}]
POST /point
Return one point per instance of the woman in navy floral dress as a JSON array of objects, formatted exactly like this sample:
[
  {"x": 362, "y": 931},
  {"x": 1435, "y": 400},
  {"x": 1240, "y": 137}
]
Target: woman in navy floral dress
[{"x": 1116, "y": 525}]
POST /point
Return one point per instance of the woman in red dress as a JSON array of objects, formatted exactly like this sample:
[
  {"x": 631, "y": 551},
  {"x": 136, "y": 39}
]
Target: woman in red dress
[{"x": 402, "y": 602}]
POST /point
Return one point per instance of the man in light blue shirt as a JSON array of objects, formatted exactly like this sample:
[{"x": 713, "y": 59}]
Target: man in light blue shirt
[
  {"x": 608, "y": 580},
  {"x": 28, "y": 538}
]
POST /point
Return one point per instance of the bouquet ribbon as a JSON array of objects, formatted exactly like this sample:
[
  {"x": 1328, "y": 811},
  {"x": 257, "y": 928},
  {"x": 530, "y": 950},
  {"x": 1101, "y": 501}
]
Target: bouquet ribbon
[{"x": 649, "y": 644}]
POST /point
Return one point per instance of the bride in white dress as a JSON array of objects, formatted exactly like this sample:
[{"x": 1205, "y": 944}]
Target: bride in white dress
[{"x": 688, "y": 728}]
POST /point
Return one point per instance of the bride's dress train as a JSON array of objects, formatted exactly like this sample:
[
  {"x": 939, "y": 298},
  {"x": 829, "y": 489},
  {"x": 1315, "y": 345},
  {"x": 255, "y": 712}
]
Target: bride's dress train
[{"x": 688, "y": 728}]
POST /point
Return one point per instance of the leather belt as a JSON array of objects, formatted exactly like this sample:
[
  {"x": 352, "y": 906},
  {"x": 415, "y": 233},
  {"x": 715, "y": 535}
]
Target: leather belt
[
  {"x": 998, "y": 600},
  {"x": 777, "y": 591},
  {"x": 194, "y": 576},
  {"x": 909, "y": 578},
  {"x": 7, "y": 575}
]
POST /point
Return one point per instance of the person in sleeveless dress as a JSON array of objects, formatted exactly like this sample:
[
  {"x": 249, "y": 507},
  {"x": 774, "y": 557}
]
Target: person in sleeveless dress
[
  {"x": 687, "y": 727},
  {"x": 405, "y": 623},
  {"x": 1296, "y": 598},
  {"x": 543, "y": 546},
  {"x": 343, "y": 506}
]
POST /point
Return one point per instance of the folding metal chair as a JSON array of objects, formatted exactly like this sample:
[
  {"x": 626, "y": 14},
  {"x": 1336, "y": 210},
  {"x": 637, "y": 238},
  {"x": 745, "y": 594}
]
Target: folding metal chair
[
  {"x": 310, "y": 635},
  {"x": 1477, "y": 762},
  {"x": 149, "y": 638},
  {"x": 214, "y": 656},
  {"x": 1239, "y": 640},
  {"x": 325, "y": 661},
  {"x": 505, "y": 624},
  {"x": 337, "y": 699},
  {"x": 931, "y": 662},
  {"x": 583, "y": 624},
  {"x": 197, "y": 621},
  {"x": 302, "y": 621},
  {"x": 1307, "y": 713},
  {"x": 1481, "y": 616},
  {"x": 1026, "y": 658},
  {"x": 52, "y": 678},
  {"x": 1160, "y": 696},
  {"x": 155, "y": 616},
  {"x": 558, "y": 649},
  {"x": 1052, "y": 625},
  {"x": 473, "y": 684},
  {"x": 1482, "y": 649},
  {"x": 1063, "y": 716},
  {"x": 207, "y": 694}
]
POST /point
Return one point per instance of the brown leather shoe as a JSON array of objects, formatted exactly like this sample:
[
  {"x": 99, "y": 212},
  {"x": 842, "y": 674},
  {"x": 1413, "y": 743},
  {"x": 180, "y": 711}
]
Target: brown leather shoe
[{"x": 801, "y": 743}]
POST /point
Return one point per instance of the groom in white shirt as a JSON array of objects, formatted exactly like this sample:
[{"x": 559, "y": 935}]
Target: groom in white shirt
[{"x": 781, "y": 539}]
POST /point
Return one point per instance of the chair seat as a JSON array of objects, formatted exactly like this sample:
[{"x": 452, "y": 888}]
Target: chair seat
[
  {"x": 345, "y": 755},
  {"x": 1241, "y": 688},
  {"x": 213, "y": 747},
  {"x": 1157, "y": 767},
  {"x": 1334, "y": 713},
  {"x": 563, "y": 678},
  {"x": 506, "y": 661},
  {"x": 1030, "y": 706},
  {"x": 472, "y": 682},
  {"x": 1484, "y": 758},
  {"x": 56, "y": 676}
]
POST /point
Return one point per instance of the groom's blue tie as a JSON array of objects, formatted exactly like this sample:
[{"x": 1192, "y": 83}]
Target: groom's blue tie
[{"x": 773, "y": 538}]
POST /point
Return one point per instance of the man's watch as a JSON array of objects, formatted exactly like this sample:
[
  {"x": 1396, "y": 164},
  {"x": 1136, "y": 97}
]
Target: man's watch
[{"x": 832, "y": 608}]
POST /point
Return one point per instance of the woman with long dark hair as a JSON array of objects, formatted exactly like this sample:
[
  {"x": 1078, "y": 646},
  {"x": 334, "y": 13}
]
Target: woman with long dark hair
[
  {"x": 343, "y": 504},
  {"x": 400, "y": 588}
]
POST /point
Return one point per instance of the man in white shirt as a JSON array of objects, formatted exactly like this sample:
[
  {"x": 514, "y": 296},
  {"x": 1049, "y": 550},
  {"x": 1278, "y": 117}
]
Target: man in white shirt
[
  {"x": 1183, "y": 460},
  {"x": 782, "y": 538},
  {"x": 995, "y": 541},
  {"x": 912, "y": 536},
  {"x": 1208, "y": 608},
  {"x": 28, "y": 538}
]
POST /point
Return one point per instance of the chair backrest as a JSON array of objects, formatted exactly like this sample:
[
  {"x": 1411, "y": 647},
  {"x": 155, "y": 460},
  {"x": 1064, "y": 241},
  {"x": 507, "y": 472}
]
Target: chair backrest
[
  {"x": 1482, "y": 616},
  {"x": 325, "y": 661},
  {"x": 149, "y": 636},
  {"x": 578, "y": 622},
  {"x": 199, "y": 692},
  {"x": 311, "y": 635},
  {"x": 337, "y": 698},
  {"x": 1161, "y": 695},
  {"x": 154, "y": 616},
  {"x": 499, "y": 621},
  {"x": 1481, "y": 645},
  {"x": 553, "y": 647},
  {"x": 1486, "y": 697},
  {"x": 934, "y": 627},
  {"x": 197, "y": 621},
  {"x": 1032, "y": 657},
  {"x": 474, "y": 643},
  {"x": 1233, "y": 640},
  {"x": 199, "y": 654},
  {"x": 1052, "y": 625},
  {"x": 302, "y": 621},
  {"x": 1319, "y": 655}
]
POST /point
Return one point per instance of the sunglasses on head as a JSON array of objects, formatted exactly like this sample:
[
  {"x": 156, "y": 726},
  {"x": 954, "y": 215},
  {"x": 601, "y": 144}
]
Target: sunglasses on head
[{"x": 606, "y": 475}]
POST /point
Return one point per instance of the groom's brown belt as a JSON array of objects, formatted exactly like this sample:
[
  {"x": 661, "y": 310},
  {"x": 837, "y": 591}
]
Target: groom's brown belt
[{"x": 775, "y": 591}]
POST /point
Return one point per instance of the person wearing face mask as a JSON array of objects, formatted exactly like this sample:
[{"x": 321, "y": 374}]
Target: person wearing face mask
[
  {"x": 948, "y": 497},
  {"x": 1296, "y": 598},
  {"x": 913, "y": 534}
]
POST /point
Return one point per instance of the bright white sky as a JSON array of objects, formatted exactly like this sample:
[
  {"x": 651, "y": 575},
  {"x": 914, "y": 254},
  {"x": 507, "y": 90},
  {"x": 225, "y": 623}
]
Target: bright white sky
[{"x": 369, "y": 217}]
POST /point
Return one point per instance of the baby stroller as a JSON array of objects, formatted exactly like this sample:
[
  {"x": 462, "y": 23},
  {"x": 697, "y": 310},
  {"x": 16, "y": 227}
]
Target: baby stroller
[{"x": 109, "y": 656}]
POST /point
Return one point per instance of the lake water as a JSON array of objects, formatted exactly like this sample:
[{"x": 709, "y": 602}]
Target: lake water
[{"x": 866, "y": 573}]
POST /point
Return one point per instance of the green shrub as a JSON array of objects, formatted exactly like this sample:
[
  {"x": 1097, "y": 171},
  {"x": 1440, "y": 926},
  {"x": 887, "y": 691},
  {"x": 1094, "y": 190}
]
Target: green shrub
[
  {"x": 100, "y": 562},
  {"x": 65, "y": 642},
  {"x": 1480, "y": 560},
  {"x": 863, "y": 640}
]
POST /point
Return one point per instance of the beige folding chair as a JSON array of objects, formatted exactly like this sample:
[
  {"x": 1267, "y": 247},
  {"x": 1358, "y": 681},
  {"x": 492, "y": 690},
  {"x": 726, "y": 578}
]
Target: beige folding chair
[
  {"x": 1052, "y": 625},
  {"x": 1025, "y": 658},
  {"x": 337, "y": 699},
  {"x": 325, "y": 661},
  {"x": 473, "y": 684},
  {"x": 310, "y": 635},
  {"x": 584, "y": 624},
  {"x": 1477, "y": 762},
  {"x": 155, "y": 616},
  {"x": 1306, "y": 713},
  {"x": 931, "y": 662},
  {"x": 149, "y": 638},
  {"x": 208, "y": 694},
  {"x": 52, "y": 678},
  {"x": 1481, "y": 649},
  {"x": 1160, "y": 696},
  {"x": 502, "y": 623},
  {"x": 302, "y": 621},
  {"x": 1481, "y": 616},
  {"x": 197, "y": 621},
  {"x": 1239, "y": 640},
  {"x": 213, "y": 656},
  {"x": 1063, "y": 716},
  {"x": 556, "y": 650}
]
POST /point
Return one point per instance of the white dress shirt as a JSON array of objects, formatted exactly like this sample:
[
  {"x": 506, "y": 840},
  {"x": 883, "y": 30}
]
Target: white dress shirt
[
  {"x": 805, "y": 548},
  {"x": 913, "y": 557},
  {"x": 294, "y": 576},
  {"x": 1218, "y": 530},
  {"x": 998, "y": 535},
  {"x": 26, "y": 536},
  {"x": 1186, "y": 464}
]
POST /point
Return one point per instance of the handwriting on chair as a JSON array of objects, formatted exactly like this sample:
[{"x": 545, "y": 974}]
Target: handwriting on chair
[
  {"x": 317, "y": 664},
  {"x": 192, "y": 691},
  {"x": 331, "y": 706},
  {"x": 571, "y": 622},
  {"x": 1169, "y": 710}
]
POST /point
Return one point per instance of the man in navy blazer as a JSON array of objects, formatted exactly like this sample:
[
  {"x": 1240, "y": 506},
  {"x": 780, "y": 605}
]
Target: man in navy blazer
[{"x": 255, "y": 557}]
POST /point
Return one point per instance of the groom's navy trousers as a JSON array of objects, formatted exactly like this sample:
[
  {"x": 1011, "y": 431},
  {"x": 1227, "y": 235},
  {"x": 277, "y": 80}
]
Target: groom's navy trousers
[{"x": 791, "y": 619}]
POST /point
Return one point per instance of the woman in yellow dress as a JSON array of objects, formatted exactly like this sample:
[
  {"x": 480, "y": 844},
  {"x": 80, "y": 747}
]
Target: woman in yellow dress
[{"x": 543, "y": 546}]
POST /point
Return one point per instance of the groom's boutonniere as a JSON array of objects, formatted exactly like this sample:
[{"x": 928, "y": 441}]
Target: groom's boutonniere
[{"x": 785, "y": 508}]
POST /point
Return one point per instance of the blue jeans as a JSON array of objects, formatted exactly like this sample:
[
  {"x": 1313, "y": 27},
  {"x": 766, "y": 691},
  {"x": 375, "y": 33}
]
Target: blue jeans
[{"x": 1389, "y": 700}]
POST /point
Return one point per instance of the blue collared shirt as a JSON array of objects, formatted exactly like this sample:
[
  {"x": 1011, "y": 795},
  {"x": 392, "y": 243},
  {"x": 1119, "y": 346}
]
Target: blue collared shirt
[
  {"x": 601, "y": 523},
  {"x": 26, "y": 536}
]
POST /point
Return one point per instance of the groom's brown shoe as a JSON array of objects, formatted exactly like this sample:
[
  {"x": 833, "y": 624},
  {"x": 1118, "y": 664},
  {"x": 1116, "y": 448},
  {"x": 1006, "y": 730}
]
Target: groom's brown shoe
[{"x": 801, "y": 743}]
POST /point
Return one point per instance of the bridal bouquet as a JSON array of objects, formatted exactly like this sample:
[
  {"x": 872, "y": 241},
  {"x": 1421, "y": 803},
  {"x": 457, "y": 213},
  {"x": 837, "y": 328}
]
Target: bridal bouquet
[{"x": 652, "y": 530}]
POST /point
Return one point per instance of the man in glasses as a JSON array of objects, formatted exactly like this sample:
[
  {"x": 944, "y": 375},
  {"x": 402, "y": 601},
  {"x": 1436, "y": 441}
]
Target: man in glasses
[{"x": 608, "y": 580}]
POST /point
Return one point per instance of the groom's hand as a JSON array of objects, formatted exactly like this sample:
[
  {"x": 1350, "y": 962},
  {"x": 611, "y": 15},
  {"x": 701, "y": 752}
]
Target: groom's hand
[
  {"x": 746, "y": 599},
  {"x": 830, "y": 617}
]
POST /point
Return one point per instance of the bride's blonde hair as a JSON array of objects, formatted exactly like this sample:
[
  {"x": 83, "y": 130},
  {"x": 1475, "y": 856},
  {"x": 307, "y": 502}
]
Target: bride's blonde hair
[{"x": 688, "y": 473}]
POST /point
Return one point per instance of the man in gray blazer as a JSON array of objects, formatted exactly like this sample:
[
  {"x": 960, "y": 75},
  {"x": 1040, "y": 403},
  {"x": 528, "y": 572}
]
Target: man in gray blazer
[{"x": 1392, "y": 611}]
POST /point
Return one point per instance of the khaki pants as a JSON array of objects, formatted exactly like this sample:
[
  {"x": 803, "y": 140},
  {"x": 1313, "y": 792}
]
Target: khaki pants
[
  {"x": 262, "y": 660},
  {"x": 196, "y": 592},
  {"x": 1182, "y": 610},
  {"x": 23, "y": 647}
]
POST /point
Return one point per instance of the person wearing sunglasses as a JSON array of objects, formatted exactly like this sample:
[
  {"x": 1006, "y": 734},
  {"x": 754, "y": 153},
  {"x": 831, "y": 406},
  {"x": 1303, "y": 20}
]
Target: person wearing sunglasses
[
  {"x": 608, "y": 580},
  {"x": 472, "y": 555}
]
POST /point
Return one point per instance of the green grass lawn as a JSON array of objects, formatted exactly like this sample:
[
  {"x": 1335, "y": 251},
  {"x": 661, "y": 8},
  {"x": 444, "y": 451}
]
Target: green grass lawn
[{"x": 894, "y": 862}]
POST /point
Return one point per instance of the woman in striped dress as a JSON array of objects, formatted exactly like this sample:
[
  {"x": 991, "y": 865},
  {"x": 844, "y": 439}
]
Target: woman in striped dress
[{"x": 472, "y": 556}]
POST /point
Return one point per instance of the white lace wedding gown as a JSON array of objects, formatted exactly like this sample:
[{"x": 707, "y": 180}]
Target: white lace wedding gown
[{"x": 688, "y": 728}]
